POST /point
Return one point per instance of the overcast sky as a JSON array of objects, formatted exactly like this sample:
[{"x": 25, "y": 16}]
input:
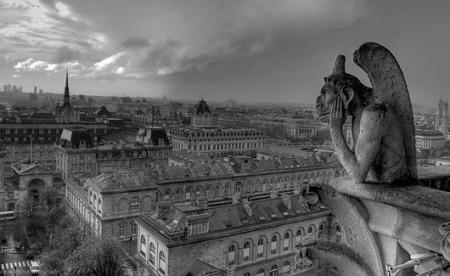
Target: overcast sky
[{"x": 250, "y": 50}]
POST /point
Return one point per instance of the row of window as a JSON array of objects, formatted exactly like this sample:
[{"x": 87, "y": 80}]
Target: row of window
[
  {"x": 152, "y": 256},
  {"x": 245, "y": 133},
  {"x": 225, "y": 146},
  {"x": 249, "y": 251},
  {"x": 83, "y": 211}
]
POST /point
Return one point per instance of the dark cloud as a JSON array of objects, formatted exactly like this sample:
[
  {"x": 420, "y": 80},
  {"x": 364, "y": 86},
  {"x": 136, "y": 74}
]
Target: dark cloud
[
  {"x": 135, "y": 43},
  {"x": 243, "y": 49}
]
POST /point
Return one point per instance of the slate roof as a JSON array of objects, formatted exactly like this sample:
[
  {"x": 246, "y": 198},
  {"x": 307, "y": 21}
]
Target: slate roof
[
  {"x": 122, "y": 180},
  {"x": 201, "y": 268},
  {"x": 72, "y": 137},
  {"x": 228, "y": 217}
]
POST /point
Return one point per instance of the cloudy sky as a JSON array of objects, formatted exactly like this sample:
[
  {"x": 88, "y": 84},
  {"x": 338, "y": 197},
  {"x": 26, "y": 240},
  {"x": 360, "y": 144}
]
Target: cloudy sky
[{"x": 249, "y": 50}]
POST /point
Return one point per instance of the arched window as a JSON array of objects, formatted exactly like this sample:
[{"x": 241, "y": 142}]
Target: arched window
[
  {"x": 260, "y": 272},
  {"x": 273, "y": 271},
  {"x": 227, "y": 190},
  {"x": 231, "y": 254},
  {"x": 286, "y": 268},
  {"x": 238, "y": 187},
  {"x": 178, "y": 193},
  {"x": 134, "y": 204},
  {"x": 286, "y": 241},
  {"x": 209, "y": 191},
  {"x": 260, "y": 248},
  {"x": 338, "y": 233},
  {"x": 162, "y": 262},
  {"x": 167, "y": 195},
  {"x": 247, "y": 274},
  {"x": 299, "y": 235},
  {"x": 99, "y": 208},
  {"x": 152, "y": 252},
  {"x": 142, "y": 246},
  {"x": 322, "y": 230},
  {"x": 246, "y": 252},
  {"x": 189, "y": 193},
  {"x": 217, "y": 191},
  {"x": 311, "y": 231},
  {"x": 273, "y": 245}
]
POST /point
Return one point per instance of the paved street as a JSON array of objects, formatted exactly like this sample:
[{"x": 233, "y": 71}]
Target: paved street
[{"x": 12, "y": 261}]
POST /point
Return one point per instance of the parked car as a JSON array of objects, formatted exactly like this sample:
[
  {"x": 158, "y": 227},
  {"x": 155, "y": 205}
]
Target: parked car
[{"x": 34, "y": 267}]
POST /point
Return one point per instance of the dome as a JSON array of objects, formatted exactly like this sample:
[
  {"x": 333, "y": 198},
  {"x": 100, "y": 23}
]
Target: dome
[{"x": 202, "y": 107}]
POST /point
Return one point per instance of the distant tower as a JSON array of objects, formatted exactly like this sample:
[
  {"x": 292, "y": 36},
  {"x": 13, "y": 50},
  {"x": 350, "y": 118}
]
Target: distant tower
[
  {"x": 442, "y": 117},
  {"x": 66, "y": 90},
  {"x": 66, "y": 113}
]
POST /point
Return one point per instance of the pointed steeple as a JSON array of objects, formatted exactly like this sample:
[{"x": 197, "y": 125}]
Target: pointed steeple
[{"x": 66, "y": 90}]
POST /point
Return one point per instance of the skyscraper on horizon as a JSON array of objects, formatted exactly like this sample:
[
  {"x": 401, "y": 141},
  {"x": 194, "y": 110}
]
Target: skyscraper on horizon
[{"x": 442, "y": 117}]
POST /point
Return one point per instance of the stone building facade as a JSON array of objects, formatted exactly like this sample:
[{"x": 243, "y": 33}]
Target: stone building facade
[
  {"x": 24, "y": 140},
  {"x": 430, "y": 139},
  {"x": 257, "y": 238},
  {"x": 217, "y": 142},
  {"x": 78, "y": 155},
  {"x": 287, "y": 127},
  {"x": 30, "y": 187},
  {"x": 126, "y": 194},
  {"x": 204, "y": 137}
]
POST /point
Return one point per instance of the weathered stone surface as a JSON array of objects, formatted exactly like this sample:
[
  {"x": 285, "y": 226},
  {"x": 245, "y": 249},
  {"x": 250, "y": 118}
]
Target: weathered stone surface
[
  {"x": 341, "y": 257},
  {"x": 353, "y": 218},
  {"x": 423, "y": 200},
  {"x": 444, "y": 229},
  {"x": 382, "y": 118}
]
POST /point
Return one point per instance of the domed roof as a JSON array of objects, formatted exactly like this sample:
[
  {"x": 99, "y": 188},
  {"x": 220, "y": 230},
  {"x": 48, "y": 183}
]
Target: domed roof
[{"x": 202, "y": 107}]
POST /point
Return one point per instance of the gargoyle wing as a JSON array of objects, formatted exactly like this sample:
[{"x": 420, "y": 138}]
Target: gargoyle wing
[{"x": 389, "y": 87}]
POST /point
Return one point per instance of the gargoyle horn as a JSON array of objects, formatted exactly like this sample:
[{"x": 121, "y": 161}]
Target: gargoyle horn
[{"x": 339, "y": 65}]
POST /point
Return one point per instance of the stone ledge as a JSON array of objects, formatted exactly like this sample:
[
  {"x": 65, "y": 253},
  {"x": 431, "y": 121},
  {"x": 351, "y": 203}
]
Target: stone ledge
[{"x": 423, "y": 200}]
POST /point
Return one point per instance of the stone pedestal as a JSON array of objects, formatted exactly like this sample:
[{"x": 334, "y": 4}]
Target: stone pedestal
[{"x": 385, "y": 225}]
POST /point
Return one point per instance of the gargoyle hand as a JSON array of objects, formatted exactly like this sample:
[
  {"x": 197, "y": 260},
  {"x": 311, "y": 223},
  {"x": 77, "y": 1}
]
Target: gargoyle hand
[{"x": 337, "y": 114}]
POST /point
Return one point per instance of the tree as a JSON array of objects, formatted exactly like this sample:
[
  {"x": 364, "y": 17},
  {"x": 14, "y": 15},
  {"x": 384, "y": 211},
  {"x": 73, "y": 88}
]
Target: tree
[
  {"x": 64, "y": 238},
  {"x": 95, "y": 257},
  {"x": 49, "y": 198}
]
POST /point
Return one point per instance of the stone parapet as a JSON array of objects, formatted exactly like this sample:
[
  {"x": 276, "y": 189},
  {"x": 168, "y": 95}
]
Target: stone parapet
[{"x": 422, "y": 200}]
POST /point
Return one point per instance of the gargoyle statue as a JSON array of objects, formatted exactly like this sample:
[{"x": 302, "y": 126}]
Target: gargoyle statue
[{"x": 382, "y": 118}]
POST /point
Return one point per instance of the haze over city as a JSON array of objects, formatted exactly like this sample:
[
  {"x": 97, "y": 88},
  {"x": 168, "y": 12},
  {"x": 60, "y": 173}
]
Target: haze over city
[{"x": 247, "y": 50}]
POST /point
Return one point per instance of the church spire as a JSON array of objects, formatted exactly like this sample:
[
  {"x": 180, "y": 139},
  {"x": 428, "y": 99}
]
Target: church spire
[{"x": 66, "y": 89}]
